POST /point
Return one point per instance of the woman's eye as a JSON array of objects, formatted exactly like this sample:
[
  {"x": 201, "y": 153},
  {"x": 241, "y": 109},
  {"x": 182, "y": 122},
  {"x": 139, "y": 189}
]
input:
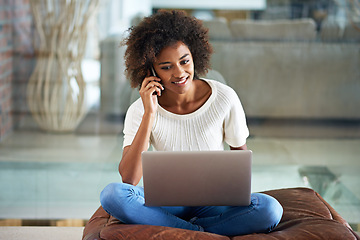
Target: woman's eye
[
  {"x": 165, "y": 68},
  {"x": 185, "y": 61}
]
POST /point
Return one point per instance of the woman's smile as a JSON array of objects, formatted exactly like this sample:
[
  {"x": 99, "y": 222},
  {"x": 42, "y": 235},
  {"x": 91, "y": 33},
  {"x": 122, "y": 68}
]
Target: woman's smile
[{"x": 181, "y": 81}]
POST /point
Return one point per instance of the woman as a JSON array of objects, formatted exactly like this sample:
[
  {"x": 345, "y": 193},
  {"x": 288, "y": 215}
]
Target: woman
[{"x": 179, "y": 111}]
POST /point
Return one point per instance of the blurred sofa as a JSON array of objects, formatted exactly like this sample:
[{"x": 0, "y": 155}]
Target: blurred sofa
[{"x": 286, "y": 69}]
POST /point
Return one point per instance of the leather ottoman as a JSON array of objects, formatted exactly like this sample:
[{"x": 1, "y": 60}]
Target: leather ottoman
[{"x": 306, "y": 216}]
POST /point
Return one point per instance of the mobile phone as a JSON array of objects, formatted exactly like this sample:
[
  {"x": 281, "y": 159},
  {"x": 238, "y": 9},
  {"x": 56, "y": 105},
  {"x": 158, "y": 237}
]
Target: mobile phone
[
  {"x": 153, "y": 71},
  {"x": 154, "y": 74}
]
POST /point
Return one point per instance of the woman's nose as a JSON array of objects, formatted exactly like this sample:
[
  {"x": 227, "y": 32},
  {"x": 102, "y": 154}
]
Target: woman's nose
[{"x": 178, "y": 72}]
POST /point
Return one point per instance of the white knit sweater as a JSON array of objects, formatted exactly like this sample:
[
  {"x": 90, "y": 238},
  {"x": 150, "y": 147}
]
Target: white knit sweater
[{"x": 221, "y": 118}]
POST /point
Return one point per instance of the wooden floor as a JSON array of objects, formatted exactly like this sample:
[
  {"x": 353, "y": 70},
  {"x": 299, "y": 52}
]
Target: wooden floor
[{"x": 39, "y": 222}]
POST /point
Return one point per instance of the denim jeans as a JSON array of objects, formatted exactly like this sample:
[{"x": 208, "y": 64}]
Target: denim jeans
[{"x": 126, "y": 203}]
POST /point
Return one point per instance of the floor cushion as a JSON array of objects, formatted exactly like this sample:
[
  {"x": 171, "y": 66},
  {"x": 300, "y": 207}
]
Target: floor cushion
[{"x": 306, "y": 216}]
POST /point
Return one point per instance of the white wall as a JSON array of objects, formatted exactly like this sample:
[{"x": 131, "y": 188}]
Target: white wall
[
  {"x": 115, "y": 16},
  {"x": 211, "y": 4}
]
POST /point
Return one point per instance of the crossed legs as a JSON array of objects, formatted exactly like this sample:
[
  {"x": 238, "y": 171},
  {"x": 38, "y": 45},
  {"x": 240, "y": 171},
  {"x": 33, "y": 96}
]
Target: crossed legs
[{"x": 126, "y": 203}]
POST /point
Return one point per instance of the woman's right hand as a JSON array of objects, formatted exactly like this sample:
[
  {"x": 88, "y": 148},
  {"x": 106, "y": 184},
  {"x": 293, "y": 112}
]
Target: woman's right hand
[{"x": 150, "y": 90}]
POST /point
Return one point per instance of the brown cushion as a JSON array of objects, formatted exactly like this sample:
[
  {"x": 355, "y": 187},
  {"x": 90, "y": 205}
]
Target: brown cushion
[{"x": 306, "y": 216}]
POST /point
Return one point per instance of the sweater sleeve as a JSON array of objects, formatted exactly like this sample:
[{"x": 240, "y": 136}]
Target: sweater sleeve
[
  {"x": 235, "y": 127},
  {"x": 132, "y": 122}
]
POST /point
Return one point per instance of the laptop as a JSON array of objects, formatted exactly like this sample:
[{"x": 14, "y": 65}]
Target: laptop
[{"x": 197, "y": 178}]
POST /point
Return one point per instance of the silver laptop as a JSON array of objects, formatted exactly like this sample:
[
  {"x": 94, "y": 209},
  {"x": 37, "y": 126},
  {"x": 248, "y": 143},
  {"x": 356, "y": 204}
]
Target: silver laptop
[{"x": 197, "y": 178}]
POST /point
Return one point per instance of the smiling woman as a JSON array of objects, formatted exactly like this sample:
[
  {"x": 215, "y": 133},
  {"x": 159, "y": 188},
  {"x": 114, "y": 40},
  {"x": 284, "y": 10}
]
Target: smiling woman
[{"x": 180, "y": 111}]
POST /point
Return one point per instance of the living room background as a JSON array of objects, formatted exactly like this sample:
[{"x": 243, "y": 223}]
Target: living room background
[{"x": 294, "y": 64}]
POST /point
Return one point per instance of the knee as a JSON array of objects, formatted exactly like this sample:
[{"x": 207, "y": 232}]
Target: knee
[
  {"x": 271, "y": 211},
  {"x": 116, "y": 195},
  {"x": 108, "y": 194}
]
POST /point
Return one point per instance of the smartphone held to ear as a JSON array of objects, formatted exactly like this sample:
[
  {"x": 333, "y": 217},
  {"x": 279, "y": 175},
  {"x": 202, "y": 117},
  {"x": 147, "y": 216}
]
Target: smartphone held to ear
[{"x": 154, "y": 74}]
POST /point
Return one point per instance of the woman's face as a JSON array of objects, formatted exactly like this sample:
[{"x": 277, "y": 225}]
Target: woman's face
[{"x": 175, "y": 67}]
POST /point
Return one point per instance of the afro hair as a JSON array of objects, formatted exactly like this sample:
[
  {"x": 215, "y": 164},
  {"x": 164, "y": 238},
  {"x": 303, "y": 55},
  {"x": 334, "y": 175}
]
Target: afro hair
[{"x": 160, "y": 30}]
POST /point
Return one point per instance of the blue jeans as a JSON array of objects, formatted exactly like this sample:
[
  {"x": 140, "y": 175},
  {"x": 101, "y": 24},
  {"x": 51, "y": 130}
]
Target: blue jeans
[{"x": 126, "y": 203}]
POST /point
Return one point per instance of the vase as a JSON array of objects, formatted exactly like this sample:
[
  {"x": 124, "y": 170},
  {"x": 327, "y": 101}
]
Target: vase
[{"x": 56, "y": 90}]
